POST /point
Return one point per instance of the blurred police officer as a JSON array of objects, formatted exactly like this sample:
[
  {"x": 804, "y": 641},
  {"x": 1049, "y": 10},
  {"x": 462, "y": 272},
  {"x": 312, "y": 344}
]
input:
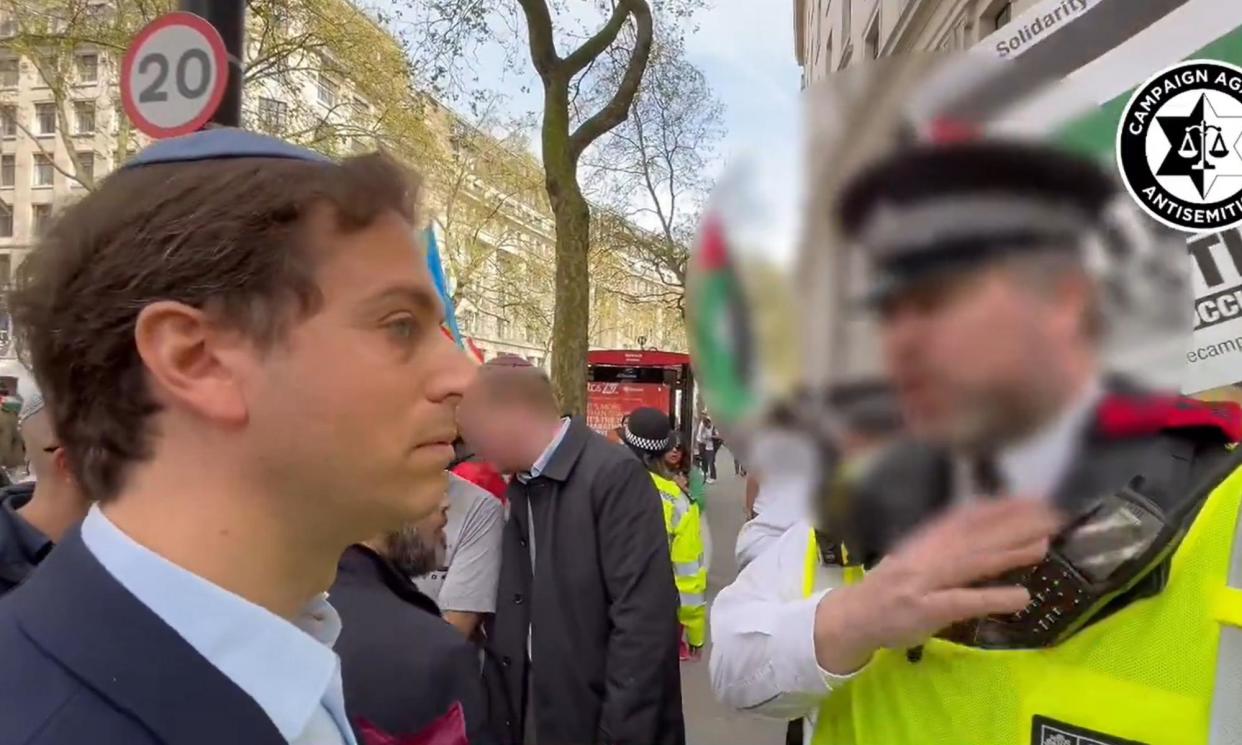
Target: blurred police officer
[{"x": 990, "y": 333}]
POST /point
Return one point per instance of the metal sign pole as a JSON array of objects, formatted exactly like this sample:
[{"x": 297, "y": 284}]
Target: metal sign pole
[{"x": 229, "y": 18}]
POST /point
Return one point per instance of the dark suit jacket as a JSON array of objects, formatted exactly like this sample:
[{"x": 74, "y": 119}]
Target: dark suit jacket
[
  {"x": 601, "y": 598},
  {"x": 402, "y": 665},
  {"x": 83, "y": 661}
]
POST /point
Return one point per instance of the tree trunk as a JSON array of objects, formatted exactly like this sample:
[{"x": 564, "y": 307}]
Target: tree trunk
[{"x": 573, "y": 287}]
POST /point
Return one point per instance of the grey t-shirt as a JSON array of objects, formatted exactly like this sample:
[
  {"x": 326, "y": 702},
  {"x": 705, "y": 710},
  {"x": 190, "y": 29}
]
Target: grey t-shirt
[{"x": 467, "y": 581}]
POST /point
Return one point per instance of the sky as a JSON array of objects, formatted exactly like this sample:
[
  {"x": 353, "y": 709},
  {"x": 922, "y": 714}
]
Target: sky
[{"x": 744, "y": 47}]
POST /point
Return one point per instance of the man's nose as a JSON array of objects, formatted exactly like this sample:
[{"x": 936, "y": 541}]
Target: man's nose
[{"x": 454, "y": 374}]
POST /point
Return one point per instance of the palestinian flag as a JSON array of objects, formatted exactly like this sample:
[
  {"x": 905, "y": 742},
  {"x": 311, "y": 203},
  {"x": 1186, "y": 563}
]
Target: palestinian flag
[{"x": 721, "y": 337}]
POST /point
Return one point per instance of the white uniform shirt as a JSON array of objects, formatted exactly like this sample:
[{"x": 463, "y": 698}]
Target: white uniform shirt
[
  {"x": 787, "y": 466},
  {"x": 762, "y": 626}
]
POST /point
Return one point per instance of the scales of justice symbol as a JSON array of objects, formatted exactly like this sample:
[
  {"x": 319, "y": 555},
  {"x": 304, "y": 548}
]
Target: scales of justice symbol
[{"x": 1208, "y": 144}]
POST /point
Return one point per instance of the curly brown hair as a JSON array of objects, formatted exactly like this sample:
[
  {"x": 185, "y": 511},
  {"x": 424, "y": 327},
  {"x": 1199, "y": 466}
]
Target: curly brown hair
[{"x": 226, "y": 236}]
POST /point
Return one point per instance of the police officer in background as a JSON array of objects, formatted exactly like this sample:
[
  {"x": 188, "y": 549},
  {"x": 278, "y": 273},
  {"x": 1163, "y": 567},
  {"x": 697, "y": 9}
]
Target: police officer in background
[
  {"x": 932, "y": 629},
  {"x": 649, "y": 435}
]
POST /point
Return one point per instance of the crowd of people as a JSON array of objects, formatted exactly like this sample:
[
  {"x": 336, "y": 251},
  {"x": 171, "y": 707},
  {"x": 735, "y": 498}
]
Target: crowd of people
[
  {"x": 272, "y": 548},
  {"x": 272, "y": 503}
]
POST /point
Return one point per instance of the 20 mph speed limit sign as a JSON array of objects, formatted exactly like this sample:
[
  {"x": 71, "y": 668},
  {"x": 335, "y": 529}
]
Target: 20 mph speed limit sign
[{"x": 174, "y": 75}]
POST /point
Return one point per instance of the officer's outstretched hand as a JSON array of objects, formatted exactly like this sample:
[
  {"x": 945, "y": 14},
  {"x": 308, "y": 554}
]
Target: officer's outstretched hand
[{"x": 930, "y": 581}]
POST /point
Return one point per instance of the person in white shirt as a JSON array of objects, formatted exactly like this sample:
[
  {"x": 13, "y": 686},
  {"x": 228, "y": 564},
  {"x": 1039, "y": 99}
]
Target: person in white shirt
[
  {"x": 707, "y": 437},
  {"x": 990, "y": 332},
  {"x": 463, "y": 584},
  {"x": 864, "y": 417}
]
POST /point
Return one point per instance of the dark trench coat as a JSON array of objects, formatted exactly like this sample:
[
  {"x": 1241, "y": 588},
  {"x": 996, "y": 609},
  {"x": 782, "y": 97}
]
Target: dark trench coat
[{"x": 605, "y": 634}]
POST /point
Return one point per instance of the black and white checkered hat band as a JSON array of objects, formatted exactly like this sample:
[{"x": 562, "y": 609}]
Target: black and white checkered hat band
[{"x": 642, "y": 443}]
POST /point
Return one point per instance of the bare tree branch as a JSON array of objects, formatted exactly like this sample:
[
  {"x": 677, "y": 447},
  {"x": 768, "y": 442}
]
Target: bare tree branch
[
  {"x": 542, "y": 43},
  {"x": 617, "y": 108},
  {"x": 593, "y": 47}
]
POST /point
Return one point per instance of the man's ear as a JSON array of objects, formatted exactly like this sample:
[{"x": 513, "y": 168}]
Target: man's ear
[
  {"x": 188, "y": 361},
  {"x": 60, "y": 462}
]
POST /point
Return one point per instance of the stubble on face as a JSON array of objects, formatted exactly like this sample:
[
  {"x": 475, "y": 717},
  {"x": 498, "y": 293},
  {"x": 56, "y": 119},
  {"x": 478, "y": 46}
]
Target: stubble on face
[{"x": 986, "y": 366}]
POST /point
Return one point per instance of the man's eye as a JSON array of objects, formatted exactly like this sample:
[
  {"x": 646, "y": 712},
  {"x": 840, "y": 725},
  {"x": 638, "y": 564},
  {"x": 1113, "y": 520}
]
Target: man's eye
[{"x": 402, "y": 329}]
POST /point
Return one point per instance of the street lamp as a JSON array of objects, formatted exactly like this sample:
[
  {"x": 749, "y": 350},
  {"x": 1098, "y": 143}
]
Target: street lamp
[{"x": 642, "y": 343}]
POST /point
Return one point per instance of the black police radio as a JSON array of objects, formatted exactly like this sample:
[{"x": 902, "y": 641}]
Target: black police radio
[{"x": 1115, "y": 550}]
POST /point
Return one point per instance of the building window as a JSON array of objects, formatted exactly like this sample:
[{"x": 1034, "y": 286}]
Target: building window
[
  {"x": 40, "y": 217},
  {"x": 273, "y": 114},
  {"x": 1001, "y": 16},
  {"x": 86, "y": 167},
  {"x": 502, "y": 328},
  {"x": 8, "y": 121},
  {"x": 329, "y": 89},
  {"x": 88, "y": 68},
  {"x": 118, "y": 117},
  {"x": 8, "y": 26},
  {"x": 84, "y": 112},
  {"x": 9, "y": 72},
  {"x": 6, "y": 271},
  {"x": 871, "y": 43},
  {"x": 845, "y": 21},
  {"x": 47, "y": 69},
  {"x": 8, "y": 171},
  {"x": 45, "y": 118},
  {"x": 6, "y": 221},
  {"x": 97, "y": 12},
  {"x": 44, "y": 171}
]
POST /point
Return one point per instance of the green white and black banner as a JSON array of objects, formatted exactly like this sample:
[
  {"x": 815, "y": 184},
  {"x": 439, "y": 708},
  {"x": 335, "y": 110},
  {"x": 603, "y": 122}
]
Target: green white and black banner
[{"x": 1079, "y": 64}]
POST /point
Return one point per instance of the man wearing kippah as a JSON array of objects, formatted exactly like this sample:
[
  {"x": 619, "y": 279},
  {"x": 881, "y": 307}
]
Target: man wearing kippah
[
  {"x": 35, "y": 514},
  {"x": 996, "y": 593},
  {"x": 243, "y": 363}
]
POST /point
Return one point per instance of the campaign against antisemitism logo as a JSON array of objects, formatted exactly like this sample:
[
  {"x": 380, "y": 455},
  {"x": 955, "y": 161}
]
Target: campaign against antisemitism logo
[{"x": 1178, "y": 146}]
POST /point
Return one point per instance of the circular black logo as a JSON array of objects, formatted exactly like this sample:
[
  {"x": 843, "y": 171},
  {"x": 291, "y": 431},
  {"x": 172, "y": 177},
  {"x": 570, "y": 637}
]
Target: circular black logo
[{"x": 1178, "y": 146}]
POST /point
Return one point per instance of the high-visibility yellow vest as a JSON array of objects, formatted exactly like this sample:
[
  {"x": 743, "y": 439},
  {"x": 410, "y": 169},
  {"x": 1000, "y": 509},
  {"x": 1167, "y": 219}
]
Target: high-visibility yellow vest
[
  {"x": 1147, "y": 674},
  {"x": 681, "y": 520}
]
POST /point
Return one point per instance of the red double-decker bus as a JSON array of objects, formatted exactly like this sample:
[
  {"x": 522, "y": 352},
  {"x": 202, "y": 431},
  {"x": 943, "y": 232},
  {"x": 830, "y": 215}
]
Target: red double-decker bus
[{"x": 621, "y": 380}]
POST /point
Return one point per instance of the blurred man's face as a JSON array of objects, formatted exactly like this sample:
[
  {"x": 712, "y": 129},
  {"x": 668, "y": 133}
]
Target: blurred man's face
[
  {"x": 499, "y": 431},
  {"x": 418, "y": 548},
  {"x": 975, "y": 356},
  {"x": 353, "y": 413}
]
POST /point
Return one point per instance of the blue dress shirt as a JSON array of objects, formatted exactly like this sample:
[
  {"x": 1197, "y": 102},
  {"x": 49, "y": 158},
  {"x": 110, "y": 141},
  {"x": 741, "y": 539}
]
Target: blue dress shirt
[{"x": 289, "y": 669}]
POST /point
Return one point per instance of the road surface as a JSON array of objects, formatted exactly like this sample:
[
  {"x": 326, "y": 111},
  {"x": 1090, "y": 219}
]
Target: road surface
[{"x": 707, "y": 722}]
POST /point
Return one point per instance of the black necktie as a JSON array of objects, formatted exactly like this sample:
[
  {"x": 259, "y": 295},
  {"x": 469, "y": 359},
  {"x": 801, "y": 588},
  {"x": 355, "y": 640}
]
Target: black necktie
[{"x": 989, "y": 483}]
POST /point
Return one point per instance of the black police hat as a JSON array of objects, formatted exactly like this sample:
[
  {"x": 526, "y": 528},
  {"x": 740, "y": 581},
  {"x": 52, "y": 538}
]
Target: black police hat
[
  {"x": 648, "y": 430},
  {"x": 930, "y": 209}
]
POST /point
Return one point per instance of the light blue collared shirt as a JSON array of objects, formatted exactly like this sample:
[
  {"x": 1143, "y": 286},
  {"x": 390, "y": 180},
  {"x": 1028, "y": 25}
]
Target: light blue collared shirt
[
  {"x": 288, "y": 669},
  {"x": 537, "y": 470}
]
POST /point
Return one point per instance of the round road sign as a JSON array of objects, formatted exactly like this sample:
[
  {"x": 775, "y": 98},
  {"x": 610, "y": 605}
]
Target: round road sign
[{"x": 174, "y": 75}]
